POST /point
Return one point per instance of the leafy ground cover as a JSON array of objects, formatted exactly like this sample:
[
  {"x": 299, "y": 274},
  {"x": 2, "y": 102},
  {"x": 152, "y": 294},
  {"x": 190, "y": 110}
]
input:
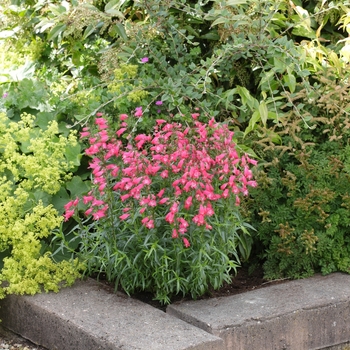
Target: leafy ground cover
[{"x": 273, "y": 76}]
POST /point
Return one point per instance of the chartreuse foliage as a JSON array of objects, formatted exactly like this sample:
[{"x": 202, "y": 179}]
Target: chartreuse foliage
[{"x": 33, "y": 166}]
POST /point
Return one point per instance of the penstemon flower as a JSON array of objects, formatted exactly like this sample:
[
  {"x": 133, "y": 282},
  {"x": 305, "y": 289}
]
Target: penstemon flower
[
  {"x": 182, "y": 171},
  {"x": 177, "y": 182}
]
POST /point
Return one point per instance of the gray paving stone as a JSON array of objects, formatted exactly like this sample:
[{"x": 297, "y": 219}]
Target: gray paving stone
[
  {"x": 313, "y": 313},
  {"x": 88, "y": 316}
]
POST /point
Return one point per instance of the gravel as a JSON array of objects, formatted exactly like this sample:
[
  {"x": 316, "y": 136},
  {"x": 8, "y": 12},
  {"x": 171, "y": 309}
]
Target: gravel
[{"x": 12, "y": 341}]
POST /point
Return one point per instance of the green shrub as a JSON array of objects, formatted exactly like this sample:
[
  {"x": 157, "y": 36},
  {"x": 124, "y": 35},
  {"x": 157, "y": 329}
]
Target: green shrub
[{"x": 301, "y": 207}]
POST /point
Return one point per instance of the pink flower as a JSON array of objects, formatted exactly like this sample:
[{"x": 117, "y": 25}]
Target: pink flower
[
  {"x": 142, "y": 210},
  {"x": 160, "y": 193},
  {"x": 103, "y": 136},
  {"x": 87, "y": 199},
  {"x": 252, "y": 161},
  {"x": 159, "y": 103},
  {"x": 84, "y": 134},
  {"x": 174, "y": 208},
  {"x": 247, "y": 173},
  {"x": 174, "y": 234},
  {"x": 186, "y": 242},
  {"x": 124, "y": 216},
  {"x": 123, "y": 117},
  {"x": 68, "y": 214},
  {"x": 88, "y": 212},
  {"x": 71, "y": 204},
  {"x": 97, "y": 202},
  {"x": 124, "y": 197},
  {"x": 195, "y": 116},
  {"x": 164, "y": 174},
  {"x": 226, "y": 193},
  {"x": 102, "y": 123},
  {"x": 198, "y": 220},
  {"x": 188, "y": 203},
  {"x": 98, "y": 214},
  {"x": 120, "y": 131},
  {"x": 138, "y": 112},
  {"x": 170, "y": 217},
  {"x": 92, "y": 150},
  {"x": 164, "y": 201},
  {"x": 152, "y": 203},
  {"x": 183, "y": 223},
  {"x": 144, "y": 60},
  {"x": 150, "y": 224},
  {"x": 99, "y": 114}
]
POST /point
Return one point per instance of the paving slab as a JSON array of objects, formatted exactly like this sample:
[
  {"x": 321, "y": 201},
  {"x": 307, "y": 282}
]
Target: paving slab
[
  {"x": 313, "y": 313},
  {"x": 89, "y": 316}
]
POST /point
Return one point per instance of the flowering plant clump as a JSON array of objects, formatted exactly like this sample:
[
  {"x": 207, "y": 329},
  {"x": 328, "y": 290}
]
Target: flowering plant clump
[
  {"x": 163, "y": 214},
  {"x": 34, "y": 163}
]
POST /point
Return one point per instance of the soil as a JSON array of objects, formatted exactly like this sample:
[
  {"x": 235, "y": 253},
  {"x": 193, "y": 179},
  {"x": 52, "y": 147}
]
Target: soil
[{"x": 244, "y": 281}]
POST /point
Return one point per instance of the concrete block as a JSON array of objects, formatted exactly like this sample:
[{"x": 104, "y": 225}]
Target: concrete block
[
  {"x": 88, "y": 316},
  {"x": 313, "y": 313}
]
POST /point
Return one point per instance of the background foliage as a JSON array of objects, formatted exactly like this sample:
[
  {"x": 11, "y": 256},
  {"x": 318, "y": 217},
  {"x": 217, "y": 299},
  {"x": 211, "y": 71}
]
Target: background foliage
[{"x": 275, "y": 71}]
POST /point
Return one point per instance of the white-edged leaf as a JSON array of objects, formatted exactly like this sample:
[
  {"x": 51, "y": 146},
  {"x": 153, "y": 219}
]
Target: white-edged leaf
[
  {"x": 56, "y": 31},
  {"x": 235, "y": 2},
  {"x": 263, "y": 112},
  {"x": 219, "y": 21}
]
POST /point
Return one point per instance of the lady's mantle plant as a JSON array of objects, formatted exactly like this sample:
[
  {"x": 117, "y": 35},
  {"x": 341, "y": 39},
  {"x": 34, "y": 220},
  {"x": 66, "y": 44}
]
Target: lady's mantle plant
[
  {"x": 163, "y": 214},
  {"x": 33, "y": 165}
]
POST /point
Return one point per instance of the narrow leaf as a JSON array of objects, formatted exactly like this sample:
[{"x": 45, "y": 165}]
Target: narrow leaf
[
  {"x": 56, "y": 31},
  {"x": 263, "y": 112}
]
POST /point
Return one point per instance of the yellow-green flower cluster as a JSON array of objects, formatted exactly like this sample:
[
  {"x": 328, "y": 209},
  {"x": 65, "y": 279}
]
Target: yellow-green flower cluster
[
  {"x": 33, "y": 156},
  {"x": 32, "y": 160},
  {"x": 123, "y": 81}
]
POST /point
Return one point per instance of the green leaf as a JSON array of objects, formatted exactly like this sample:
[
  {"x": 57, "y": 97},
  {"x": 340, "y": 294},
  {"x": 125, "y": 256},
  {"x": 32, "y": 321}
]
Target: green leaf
[
  {"x": 290, "y": 81},
  {"x": 252, "y": 122},
  {"x": 263, "y": 112},
  {"x": 113, "y": 8},
  {"x": 247, "y": 98},
  {"x": 219, "y": 20},
  {"x": 60, "y": 199},
  {"x": 88, "y": 31},
  {"x": 43, "y": 25},
  {"x": 213, "y": 35},
  {"x": 275, "y": 138},
  {"x": 24, "y": 72},
  {"x": 116, "y": 13},
  {"x": 235, "y": 2},
  {"x": 120, "y": 30},
  {"x": 303, "y": 32},
  {"x": 73, "y": 154},
  {"x": 56, "y": 31},
  {"x": 77, "y": 187},
  {"x": 114, "y": 4}
]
